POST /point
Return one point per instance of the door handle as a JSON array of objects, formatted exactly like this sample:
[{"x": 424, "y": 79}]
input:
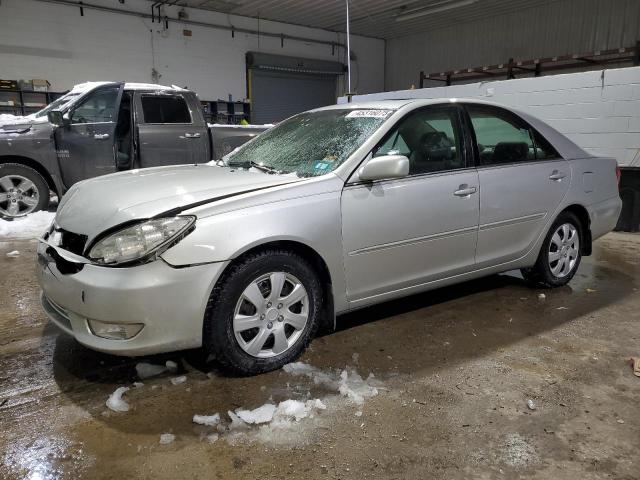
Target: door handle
[
  {"x": 191, "y": 135},
  {"x": 101, "y": 136},
  {"x": 465, "y": 190},
  {"x": 557, "y": 176}
]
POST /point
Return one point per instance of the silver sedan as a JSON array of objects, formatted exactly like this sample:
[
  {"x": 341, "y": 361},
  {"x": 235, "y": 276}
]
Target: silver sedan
[{"x": 332, "y": 210}]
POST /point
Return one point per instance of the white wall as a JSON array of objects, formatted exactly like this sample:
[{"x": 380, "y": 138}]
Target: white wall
[
  {"x": 43, "y": 40},
  {"x": 560, "y": 27},
  {"x": 599, "y": 111}
]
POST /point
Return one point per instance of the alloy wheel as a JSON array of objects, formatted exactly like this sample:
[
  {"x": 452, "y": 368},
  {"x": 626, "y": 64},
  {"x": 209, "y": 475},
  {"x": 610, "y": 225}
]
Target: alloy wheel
[
  {"x": 271, "y": 314},
  {"x": 18, "y": 195},
  {"x": 564, "y": 250}
]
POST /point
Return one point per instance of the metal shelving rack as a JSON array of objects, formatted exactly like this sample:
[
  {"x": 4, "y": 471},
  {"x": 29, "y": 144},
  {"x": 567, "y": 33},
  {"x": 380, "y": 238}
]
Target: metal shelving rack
[
  {"x": 537, "y": 67},
  {"x": 222, "y": 111},
  {"x": 25, "y": 102}
]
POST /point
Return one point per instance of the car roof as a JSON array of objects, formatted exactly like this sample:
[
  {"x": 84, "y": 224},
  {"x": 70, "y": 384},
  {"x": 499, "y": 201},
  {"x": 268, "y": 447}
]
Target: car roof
[
  {"x": 396, "y": 104},
  {"x": 86, "y": 86}
]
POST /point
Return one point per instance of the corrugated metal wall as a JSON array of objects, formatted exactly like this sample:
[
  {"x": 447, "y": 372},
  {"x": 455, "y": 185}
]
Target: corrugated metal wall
[{"x": 560, "y": 27}]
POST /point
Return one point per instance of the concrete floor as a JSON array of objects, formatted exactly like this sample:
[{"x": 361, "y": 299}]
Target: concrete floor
[{"x": 457, "y": 366}]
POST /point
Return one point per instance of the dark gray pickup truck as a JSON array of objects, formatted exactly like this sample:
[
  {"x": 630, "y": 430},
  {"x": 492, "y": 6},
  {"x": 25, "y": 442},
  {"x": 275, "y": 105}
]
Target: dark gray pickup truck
[{"x": 104, "y": 127}]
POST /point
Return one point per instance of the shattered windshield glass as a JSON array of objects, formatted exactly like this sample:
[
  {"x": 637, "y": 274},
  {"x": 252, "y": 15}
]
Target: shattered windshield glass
[{"x": 311, "y": 143}]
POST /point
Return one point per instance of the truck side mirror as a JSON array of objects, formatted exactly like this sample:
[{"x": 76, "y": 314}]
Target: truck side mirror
[{"x": 55, "y": 118}]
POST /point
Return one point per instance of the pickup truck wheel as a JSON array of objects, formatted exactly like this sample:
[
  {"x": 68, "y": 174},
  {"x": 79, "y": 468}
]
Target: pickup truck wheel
[
  {"x": 560, "y": 254},
  {"x": 22, "y": 191},
  {"x": 263, "y": 312}
]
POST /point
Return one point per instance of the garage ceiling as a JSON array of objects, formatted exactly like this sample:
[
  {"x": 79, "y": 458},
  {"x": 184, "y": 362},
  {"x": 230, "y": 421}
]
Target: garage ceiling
[{"x": 372, "y": 18}]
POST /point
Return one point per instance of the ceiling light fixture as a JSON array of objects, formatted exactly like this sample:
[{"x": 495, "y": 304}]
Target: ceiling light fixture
[{"x": 437, "y": 8}]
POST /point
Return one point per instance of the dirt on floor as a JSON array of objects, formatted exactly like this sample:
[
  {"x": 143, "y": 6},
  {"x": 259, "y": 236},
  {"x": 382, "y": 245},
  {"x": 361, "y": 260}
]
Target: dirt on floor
[{"x": 455, "y": 370}]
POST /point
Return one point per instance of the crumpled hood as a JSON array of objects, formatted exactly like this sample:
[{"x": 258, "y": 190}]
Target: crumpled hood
[{"x": 93, "y": 206}]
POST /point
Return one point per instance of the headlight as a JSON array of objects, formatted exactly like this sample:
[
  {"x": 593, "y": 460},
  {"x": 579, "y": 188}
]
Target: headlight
[{"x": 139, "y": 241}]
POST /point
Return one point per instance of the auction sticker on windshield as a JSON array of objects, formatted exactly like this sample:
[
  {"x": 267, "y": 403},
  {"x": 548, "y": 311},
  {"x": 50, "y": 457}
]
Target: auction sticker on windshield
[{"x": 369, "y": 114}]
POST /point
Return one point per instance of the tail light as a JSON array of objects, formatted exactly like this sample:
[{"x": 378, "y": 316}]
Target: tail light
[{"x": 618, "y": 172}]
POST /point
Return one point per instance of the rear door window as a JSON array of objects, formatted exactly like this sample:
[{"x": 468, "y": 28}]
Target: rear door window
[
  {"x": 503, "y": 137},
  {"x": 165, "y": 109}
]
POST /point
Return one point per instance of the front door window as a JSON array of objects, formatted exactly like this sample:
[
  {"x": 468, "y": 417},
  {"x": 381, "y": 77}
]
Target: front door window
[
  {"x": 99, "y": 107},
  {"x": 430, "y": 138}
]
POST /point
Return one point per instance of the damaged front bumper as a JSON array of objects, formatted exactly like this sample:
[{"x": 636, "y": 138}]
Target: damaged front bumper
[{"x": 167, "y": 303}]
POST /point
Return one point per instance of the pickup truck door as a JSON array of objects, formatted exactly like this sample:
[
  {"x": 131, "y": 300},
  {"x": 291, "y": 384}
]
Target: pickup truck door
[
  {"x": 85, "y": 143},
  {"x": 171, "y": 129}
]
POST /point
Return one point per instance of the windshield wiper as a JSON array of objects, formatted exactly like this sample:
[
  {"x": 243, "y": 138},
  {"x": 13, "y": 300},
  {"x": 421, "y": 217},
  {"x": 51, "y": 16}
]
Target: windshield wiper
[{"x": 253, "y": 164}]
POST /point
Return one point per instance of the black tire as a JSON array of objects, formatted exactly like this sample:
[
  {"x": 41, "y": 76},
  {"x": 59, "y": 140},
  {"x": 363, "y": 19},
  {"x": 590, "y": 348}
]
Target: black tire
[
  {"x": 218, "y": 336},
  {"x": 8, "y": 169},
  {"x": 540, "y": 275}
]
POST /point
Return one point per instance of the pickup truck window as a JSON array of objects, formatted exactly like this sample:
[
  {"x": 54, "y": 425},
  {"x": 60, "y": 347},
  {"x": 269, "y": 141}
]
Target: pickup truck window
[
  {"x": 59, "y": 104},
  {"x": 165, "y": 109},
  {"x": 98, "y": 107}
]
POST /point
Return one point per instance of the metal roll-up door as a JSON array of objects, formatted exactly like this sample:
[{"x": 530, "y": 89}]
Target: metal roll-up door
[{"x": 282, "y": 86}]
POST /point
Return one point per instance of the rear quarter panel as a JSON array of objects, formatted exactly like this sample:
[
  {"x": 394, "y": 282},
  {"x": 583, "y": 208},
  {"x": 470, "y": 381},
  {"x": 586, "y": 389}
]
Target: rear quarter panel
[{"x": 594, "y": 185}]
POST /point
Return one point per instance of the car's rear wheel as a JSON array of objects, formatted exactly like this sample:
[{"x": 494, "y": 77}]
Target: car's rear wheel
[
  {"x": 560, "y": 254},
  {"x": 22, "y": 191},
  {"x": 263, "y": 312}
]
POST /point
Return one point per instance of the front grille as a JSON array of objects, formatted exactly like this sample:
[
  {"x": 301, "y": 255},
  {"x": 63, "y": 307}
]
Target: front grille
[{"x": 72, "y": 242}]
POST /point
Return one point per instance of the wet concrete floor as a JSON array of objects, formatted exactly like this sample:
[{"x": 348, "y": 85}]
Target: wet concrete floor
[{"x": 457, "y": 367}]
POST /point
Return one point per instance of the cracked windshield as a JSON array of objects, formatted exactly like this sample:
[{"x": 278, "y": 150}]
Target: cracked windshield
[{"x": 310, "y": 144}]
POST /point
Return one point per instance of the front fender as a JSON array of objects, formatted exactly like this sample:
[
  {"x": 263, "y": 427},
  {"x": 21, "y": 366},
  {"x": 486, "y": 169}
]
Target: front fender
[{"x": 312, "y": 220}]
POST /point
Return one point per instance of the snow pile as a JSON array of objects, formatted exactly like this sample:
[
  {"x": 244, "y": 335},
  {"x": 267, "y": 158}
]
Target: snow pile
[
  {"x": 289, "y": 421},
  {"x": 8, "y": 119},
  {"x": 147, "y": 370},
  {"x": 208, "y": 420},
  {"x": 30, "y": 226},
  {"x": 281, "y": 415},
  {"x": 13, "y": 254},
  {"x": 268, "y": 423},
  {"x": 115, "y": 401},
  {"x": 348, "y": 383},
  {"x": 263, "y": 414}
]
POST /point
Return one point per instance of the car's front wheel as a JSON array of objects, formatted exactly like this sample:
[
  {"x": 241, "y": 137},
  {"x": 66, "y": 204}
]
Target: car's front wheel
[
  {"x": 263, "y": 312},
  {"x": 22, "y": 191},
  {"x": 560, "y": 254}
]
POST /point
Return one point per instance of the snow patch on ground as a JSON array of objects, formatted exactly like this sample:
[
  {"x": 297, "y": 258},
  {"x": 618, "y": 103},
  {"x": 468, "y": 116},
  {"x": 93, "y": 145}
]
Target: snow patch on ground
[
  {"x": 290, "y": 421},
  {"x": 179, "y": 380},
  {"x": 30, "y": 226},
  {"x": 283, "y": 414},
  {"x": 13, "y": 254},
  {"x": 208, "y": 420},
  {"x": 348, "y": 383},
  {"x": 147, "y": 370},
  {"x": 115, "y": 401},
  {"x": 263, "y": 414},
  {"x": 284, "y": 424},
  {"x": 167, "y": 438}
]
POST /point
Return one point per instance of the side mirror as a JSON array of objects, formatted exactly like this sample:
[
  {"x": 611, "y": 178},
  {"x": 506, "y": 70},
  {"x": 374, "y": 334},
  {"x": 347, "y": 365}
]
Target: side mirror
[
  {"x": 55, "y": 118},
  {"x": 384, "y": 167}
]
